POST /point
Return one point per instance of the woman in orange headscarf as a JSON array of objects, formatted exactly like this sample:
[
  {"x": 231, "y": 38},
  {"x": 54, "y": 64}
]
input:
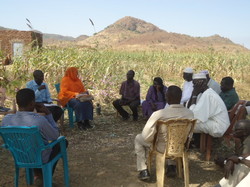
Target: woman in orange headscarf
[{"x": 71, "y": 89}]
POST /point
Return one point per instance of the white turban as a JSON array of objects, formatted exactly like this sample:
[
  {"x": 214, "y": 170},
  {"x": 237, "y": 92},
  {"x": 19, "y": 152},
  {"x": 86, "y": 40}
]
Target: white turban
[
  {"x": 205, "y": 72},
  {"x": 199, "y": 76},
  {"x": 188, "y": 70}
]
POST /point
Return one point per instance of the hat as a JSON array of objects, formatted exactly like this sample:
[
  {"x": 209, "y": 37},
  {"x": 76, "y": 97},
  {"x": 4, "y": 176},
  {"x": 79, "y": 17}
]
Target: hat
[
  {"x": 199, "y": 76},
  {"x": 205, "y": 72},
  {"x": 188, "y": 70}
]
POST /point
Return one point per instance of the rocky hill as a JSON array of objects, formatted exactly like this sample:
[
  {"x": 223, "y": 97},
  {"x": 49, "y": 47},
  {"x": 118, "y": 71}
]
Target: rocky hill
[
  {"x": 136, "y": 34},
  {"x": 2, "y": 28},
  {"x": 50, "y": 39},
  {"x": 55, "y": 38},
  {"x": 81, "y": 37},
  {"x": 130, "y": 33}
]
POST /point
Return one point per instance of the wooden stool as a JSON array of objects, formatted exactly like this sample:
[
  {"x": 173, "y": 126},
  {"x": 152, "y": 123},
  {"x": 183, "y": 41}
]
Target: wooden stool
[{"x": 126, "y": 107}]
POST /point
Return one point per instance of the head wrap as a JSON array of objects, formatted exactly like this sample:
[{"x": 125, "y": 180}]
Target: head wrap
[
  {"x": 188, "y": 70},
  {"x": 70, "y": 86},
  {"x": 205, "y": 72},
  {"x": 199, "y": 76},
  {"x": 158, "y": 80},
  {"x": 72, "y": 73}
]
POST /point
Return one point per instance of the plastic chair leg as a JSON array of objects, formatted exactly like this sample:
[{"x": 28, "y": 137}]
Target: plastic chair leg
[
  {"x": 47, "y": 175},
  {"x": 66, "y": 171},
  {"x": 160, "y": 169},
  {"x": 71, "y": 117},
  {"x": 186, "y": 169},
  {"x": 179, "y": 167},
  {"x": 149, "y": 160},
  {"x": 29, "y": 176},
  {"x": 16, "y": 176}
]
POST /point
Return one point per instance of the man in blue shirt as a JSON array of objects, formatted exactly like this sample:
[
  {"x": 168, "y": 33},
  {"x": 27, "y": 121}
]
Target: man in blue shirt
[
  {"x": 42, "y": 94},
  {"x": 25, "y": 99}
]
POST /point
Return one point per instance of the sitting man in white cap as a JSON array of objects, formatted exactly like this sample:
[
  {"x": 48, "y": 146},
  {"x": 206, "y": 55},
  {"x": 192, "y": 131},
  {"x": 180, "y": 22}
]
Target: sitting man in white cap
[
  {"x": 188, "y": 85},
  {"x": 212, "y": 83},
  {"x": 208, "y": 108}
]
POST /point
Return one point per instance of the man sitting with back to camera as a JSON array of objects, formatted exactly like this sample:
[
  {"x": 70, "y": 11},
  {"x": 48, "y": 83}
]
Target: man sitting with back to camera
[
  {"x": 43, "y": 95},
  {"x": 25, "y": 116},
  {"x": 144, "y": 140}
]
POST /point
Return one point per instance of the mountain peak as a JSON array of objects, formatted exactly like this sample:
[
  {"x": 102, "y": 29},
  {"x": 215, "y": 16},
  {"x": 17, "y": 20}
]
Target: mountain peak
[{"x": 133, "y": 24}]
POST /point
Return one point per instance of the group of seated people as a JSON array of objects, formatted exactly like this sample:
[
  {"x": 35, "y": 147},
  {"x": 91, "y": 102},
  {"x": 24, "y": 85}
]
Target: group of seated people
[
  {"x": 208, "y": 100},
  {"x": 201, "y": 98},
  {"x": 35, "y": 108},
  {"x": 71, "y": 90}
]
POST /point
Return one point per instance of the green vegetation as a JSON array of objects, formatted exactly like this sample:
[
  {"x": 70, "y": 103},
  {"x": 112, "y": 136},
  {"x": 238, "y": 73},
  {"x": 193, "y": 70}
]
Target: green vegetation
[{"x": 102, "y": 71}]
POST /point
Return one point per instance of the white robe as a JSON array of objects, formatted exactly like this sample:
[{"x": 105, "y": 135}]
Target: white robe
[
  {"x": 248, "y": 110},
  {"x": 214, "y": 85},
  {"x": 187, "y": 91},
  {"x": 240, "y": 177},
  {"x": 211, "y": 113}
]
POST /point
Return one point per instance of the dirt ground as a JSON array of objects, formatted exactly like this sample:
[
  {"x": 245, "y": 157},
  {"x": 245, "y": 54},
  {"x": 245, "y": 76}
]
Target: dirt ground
[{"x": 104, "y": 157}]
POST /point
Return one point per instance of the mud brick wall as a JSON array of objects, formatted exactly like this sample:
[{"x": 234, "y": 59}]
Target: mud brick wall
[{"x": 30, "y": 39}]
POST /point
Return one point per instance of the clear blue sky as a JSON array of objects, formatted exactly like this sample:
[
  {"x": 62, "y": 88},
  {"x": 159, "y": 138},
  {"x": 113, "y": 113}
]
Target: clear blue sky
[{"x": 228, "y": 18}]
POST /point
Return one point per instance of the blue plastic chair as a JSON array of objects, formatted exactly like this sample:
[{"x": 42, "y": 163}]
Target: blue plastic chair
[
  {"x": 70, "y": 110},
  {"x": 26, "y": 145}
]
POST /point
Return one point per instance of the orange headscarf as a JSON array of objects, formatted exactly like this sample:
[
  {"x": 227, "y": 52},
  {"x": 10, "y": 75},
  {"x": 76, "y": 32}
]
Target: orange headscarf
[{"x": 70, "y": 86}]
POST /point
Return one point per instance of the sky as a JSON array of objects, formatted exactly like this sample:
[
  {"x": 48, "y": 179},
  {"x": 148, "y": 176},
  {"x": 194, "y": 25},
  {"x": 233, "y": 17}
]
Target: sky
[{"x": 228, "y": 18}]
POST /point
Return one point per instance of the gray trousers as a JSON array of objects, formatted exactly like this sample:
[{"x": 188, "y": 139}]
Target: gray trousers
[{"x": 141, "y": 150}]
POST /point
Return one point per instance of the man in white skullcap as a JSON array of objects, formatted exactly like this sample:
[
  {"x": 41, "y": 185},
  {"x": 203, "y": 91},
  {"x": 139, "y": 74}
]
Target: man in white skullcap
[
  {"x": 188, "y": 85},
  {"x": 212, "y": 83},
  {"x": 208, "y": 108}
]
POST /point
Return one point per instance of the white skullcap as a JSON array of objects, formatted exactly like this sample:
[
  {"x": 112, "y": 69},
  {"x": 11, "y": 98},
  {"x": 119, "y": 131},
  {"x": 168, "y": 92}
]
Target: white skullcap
[
  {"x": 188, "y": 70},
  {"x": 205, "y": 72},
  {"x": 199, "y": 76}
]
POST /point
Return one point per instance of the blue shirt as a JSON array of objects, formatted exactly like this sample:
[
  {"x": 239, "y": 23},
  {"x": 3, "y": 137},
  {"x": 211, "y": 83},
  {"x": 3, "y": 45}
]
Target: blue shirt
[
  {"x": 46, "y": 125},
  {"x": 42, "y": 96}
]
